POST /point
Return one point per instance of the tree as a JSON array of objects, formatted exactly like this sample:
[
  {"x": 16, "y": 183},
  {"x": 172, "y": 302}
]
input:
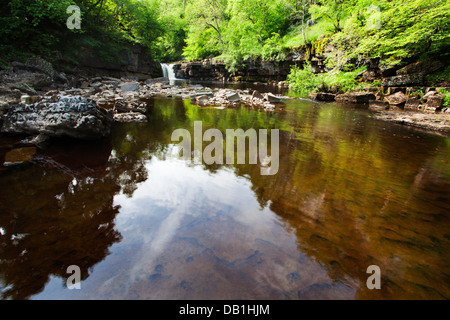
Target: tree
[
  {"x": 333, "y": 10},
  {"x": 299, "y": 11},
  {"x": 205, "y": 14}
]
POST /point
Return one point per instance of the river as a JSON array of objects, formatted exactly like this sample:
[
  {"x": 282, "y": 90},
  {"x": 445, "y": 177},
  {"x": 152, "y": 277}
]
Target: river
[{"x": 140, "y": 223}]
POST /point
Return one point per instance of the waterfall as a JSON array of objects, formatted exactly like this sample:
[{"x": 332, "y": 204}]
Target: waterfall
[{"x": 168, "y": 71}]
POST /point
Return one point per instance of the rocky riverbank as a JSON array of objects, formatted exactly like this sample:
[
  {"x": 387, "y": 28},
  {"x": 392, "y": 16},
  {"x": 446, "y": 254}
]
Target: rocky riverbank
[
  {"x": 403, "y": 95},
  {"x": 399, "y": 105},
  {"x": 83, "y": 108},
  {"x": 41, "y": 103}
]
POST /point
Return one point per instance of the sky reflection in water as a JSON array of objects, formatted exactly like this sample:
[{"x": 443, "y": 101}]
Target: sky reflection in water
[{"x": 141, "y": 224}]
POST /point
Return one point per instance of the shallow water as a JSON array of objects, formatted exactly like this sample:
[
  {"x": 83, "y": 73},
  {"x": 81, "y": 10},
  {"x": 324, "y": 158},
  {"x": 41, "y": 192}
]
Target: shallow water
[{"x": 141, "y": 224}]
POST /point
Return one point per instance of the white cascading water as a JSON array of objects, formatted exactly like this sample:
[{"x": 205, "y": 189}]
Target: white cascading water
[{"x": 168, "y": 71}]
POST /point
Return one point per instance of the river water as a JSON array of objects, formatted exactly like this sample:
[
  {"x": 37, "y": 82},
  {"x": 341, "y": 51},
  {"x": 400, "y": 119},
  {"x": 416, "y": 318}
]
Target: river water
[{"x": 140, "y": 223}]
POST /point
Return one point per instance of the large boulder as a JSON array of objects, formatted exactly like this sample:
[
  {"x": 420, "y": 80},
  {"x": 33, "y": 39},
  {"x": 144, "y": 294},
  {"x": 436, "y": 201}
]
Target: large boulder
[
  {"x": 322, "y": 96},
  {"x": 397, "y": 99},
  {"x": 271, "y": 98},
  {"x": 434, "y": 103},
  {"x": 403, "y": 80},
  {"x": 59, "y": 116},
  {"x": 424, "y": 67},
  {"x": 355, "y": 97}
]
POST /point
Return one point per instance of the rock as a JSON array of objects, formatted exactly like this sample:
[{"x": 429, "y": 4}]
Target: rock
[
  {"x": 271, "y": 98},
  {"x": 108, "y": 94},
  {"x": 199, "y": 94},
  {"x": 19, "y": 156},
  {"x": 317, "y": 66},
  {"x": 36, "y": 141},
  {"x": 425, "y": 67},
  {"x": 96, "y": 85},
  {"x": 322, "y": 96},
  {"x": 75, "y": 117},
  {"x": 29, "y": 100},
  {"x": 403, "y": 80},
  {"x": 84, "y": 85},
  {"x": 130, "y": 117},
  {"x": 130, "y": 78},
  {"x": 434, "y": 103},
  {"x": 412, "y": 103},
  {"x": 334, "y": 89},
  {"x": 129, "y": 86},
  {"x": 428, "y": 95},
  {"x": 378, "y": 105},
  {"x": 233, "y": 97},
  {"x": 355, "y": 97},
  {"x": 370, "y": 75},
  {"x": 388, "y": 72},
  {"x": 396, "y": 99},
  {"x": 257, "y": 95},
  {"x": 23, "y": 87},
  {"x": 204, "y": 100},
  {"x": 392, "y": 90}
]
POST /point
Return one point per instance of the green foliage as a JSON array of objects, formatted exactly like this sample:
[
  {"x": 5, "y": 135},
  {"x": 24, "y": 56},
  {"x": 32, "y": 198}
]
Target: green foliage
[
  {"x": 26, "y": 26},
  {"x": 446, "y": 102},
  {"x": 333, "y": 11},
  {"x": 439, "y": 77},
  {"x": 236, "y": 31},
  {"x": 202, "y": 45},
  {"x": 305, "y": 81},
  {"x": 38, "y": 27},
  {"x": 407, "y": 29}
]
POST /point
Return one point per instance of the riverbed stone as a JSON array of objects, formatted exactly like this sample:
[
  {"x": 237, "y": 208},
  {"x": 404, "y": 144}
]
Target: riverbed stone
[
  {"x": 60, "y": 116},
  {"x": 257, "y": 95},
  {"x": 130, "y": 117},
  {"x": 272, "y": 98},
  {"x": 129, "y": 86},
  {"x": 199, "y": 94},
  {"x": 203, "y": 100},
  {"x": 19, "y": 156},
  {"x": 378, "y": 105},
  {"x": 233, "y": 97}
]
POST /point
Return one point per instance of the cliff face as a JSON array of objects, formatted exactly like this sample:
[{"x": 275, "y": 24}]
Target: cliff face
[
  {"x": 253, "y": 71},
  {"x": 133, "y": 60}
]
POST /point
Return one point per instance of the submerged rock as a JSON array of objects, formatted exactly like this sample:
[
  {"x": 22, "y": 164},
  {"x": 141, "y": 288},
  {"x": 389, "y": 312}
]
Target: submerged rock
[
  {"x": 378, "y": 105},
  {"x": 19, "y": 156},
  {"x": 59, "y": 116}
]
